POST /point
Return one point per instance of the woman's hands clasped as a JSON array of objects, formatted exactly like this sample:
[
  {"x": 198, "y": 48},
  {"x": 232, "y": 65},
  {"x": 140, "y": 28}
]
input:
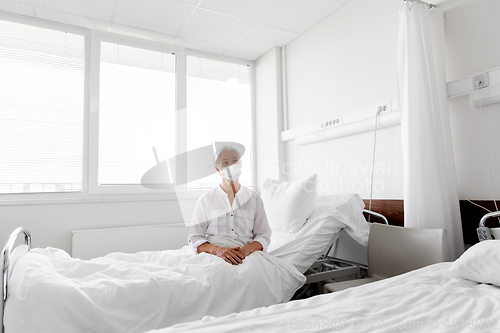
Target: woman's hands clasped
[{"x": 230, "y": 255}]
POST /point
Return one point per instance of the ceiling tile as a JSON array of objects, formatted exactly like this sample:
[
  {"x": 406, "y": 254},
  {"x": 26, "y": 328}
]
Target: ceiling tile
[
  {"x": 72, "y": 19},
  {"x": 96, "y": 9},
  {"x": 260, "y": 38},
  {"x": 163, "y": 16},
  {"x": 17, "y": 8},
  {"x": 300, "y": 15},
  {"x": 190, "y": 2},
  {"x": 214, "y": 28},
  {"x": 249, "y": 9},
  {"x": 242, "y": 54},
  {"x": 140, "y": 33},
  {"x": 200, "y": 46}
]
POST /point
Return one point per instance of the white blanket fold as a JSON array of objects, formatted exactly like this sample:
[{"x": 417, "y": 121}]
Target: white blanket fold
[{"x": 52, "y": 292}]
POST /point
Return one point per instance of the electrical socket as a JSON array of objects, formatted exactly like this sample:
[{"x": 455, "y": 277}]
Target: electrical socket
[
  {"x": 333, "y": 122},
  {"x": 482, "y": 79}
]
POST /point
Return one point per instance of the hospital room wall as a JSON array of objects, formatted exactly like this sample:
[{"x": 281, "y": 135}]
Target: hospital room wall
[
  {"x": 51, "y": 224},
  {"x": 344, "y": 64},
  {"x": 473, "y": 46},
  {"x": 349, "y": 62}
]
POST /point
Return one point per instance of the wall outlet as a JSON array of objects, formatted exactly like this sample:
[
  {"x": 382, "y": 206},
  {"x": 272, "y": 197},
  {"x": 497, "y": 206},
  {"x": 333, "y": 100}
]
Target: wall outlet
[
  {"x": 332, "y": 122},
  {"x": 480, "y": 81}
]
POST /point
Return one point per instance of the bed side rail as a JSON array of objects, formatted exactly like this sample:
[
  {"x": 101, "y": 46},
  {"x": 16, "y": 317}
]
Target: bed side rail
[
  {"x": 335, "y": 238},
  {"x": 370, "y": 212},
  {"x": 5, "y": 257},
  {"x": 483, "y": 232}
]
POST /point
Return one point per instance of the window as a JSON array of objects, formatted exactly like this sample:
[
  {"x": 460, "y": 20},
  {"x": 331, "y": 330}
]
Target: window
[
  {"x": 93, "y": 112},
  {"x": 41, "y": 109},
  {"x": 219, "y": 109},
  {"x": 136, "y": 118}
]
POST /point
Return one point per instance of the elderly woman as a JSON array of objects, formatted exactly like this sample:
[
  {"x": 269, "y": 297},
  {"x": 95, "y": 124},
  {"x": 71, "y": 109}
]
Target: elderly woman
[{"x": 229, "y": 221}]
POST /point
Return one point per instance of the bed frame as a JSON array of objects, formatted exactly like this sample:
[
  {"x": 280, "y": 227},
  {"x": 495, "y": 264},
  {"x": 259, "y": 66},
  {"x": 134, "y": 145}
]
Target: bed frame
[
  {"x": 6, "y": 257},
  {"x": 328, "y": 268}
]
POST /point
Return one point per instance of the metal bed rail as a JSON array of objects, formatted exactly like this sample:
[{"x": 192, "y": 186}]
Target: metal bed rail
[
  {"x": 376, "y": 215},
  {"x": 483, "y": 232},
  {"x": 487, "y": 216},
  {"x": 6, "y": 258}
]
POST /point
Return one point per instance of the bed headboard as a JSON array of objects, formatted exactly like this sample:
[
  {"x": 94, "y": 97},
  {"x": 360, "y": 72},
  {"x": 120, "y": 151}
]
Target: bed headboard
[
  {"x": 471, "y": 215},
  {"x": 393, "y": 210},
  {"x": 6, "y": 262}
]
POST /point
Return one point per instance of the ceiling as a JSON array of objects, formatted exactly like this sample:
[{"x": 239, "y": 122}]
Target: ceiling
[{"x": 238, "y": 28}]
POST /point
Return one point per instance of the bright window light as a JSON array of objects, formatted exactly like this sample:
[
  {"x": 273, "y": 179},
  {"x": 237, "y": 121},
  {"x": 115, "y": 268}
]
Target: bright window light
[
  {"x": 136, "y": 112},
  {"x": 41, "y": 109},
  {"x": 219, "y": 110}
]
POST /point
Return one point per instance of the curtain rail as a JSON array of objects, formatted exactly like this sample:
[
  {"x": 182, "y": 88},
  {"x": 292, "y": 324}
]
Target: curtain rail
[{"x": 420, "y": 1}]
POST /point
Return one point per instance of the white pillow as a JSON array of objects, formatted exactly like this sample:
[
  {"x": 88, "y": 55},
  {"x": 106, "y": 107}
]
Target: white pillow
[
  {"x": 288, "y": 205},
  {"x": 480, "y": 263}
]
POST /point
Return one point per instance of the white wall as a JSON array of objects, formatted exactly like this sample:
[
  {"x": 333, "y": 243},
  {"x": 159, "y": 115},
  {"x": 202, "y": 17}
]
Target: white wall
[
  {"x": 51, "y": 225},
  {"x": 344, "y": 64},
  {"x": 473, "y": 46},
  {"x": 349, "y": 62}
]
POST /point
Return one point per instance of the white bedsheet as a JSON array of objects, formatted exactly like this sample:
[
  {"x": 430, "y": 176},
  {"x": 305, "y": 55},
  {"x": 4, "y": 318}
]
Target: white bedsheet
[
  {"x": 330, "y": 215},
  {"x": 52, "y": 292},
  {"x": 426, "y": 300}
]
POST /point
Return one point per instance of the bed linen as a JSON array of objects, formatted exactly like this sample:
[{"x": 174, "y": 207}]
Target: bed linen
[
  {"x": 329, "y": 216},
  {"x": 425, "y": 300},
  {"x": 51, "y": 292}
]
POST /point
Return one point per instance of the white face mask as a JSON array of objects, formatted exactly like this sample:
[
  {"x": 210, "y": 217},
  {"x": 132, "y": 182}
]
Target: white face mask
[{"x": 232, "y": 172}]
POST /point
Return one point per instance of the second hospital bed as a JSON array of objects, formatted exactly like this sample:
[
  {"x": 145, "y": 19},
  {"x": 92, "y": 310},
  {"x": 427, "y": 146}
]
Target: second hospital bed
[
  {"x": 48, "y": 291},
  {"x": 463, "y": 296},
  {"x": 459, "y": 296}
]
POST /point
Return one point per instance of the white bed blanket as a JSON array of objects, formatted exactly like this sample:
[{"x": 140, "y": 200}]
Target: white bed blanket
[
  {"x": 331, "y": 214},
  {"x": 426, "y": 300},
  {"x": 52, "y": 292}
]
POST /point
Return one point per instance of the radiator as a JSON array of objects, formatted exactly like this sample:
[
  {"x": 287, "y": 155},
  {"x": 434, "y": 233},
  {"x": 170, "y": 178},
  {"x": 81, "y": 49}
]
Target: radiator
[{"x": 87, "y": 244}]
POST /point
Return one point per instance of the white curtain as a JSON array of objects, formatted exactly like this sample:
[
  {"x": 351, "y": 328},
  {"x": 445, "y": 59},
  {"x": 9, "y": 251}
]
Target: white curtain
[{"x": 430, "y": 188}]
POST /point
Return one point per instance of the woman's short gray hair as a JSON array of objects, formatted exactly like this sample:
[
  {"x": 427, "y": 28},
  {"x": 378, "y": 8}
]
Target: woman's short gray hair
[{"x": 222, "y": 149}]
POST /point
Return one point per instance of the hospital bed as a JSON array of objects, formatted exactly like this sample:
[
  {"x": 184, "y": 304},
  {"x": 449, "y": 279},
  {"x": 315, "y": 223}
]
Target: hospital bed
[
  {"x": 460, "y": 296},
  {"x": 45, "y": 290}
]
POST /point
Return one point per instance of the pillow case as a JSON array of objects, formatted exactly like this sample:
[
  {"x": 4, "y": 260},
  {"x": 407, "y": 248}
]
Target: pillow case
[
  {"x": 288, "y": 205},
  {"x": 480, "y": 263}
]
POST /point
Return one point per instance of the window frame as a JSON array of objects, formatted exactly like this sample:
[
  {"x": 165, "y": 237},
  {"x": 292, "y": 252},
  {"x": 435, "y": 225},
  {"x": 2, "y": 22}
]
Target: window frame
[
  {"x": 93, "y": 160},
  {"x": 91, "y": 192},
  {"x": 21, "y": 198}
]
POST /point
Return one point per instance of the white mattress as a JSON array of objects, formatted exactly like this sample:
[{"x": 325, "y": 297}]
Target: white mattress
[{"x": 425, "y": 300}]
